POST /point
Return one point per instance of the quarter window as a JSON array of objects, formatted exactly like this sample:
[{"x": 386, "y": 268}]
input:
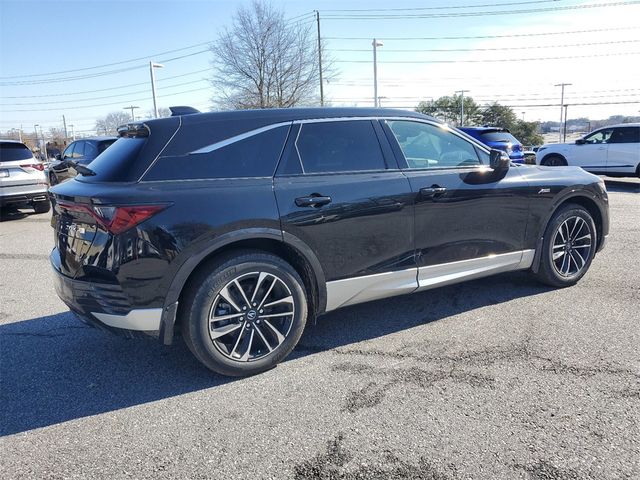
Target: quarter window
[
  {"x": 429, "y": 146},
  {"x": 342, "y": 146}
]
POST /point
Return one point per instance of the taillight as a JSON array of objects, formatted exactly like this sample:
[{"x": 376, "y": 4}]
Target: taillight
[
  {"x": 118, "y": 219},
  {"x": 36, "y": 166},
  {"x": 121, "y": 219}
]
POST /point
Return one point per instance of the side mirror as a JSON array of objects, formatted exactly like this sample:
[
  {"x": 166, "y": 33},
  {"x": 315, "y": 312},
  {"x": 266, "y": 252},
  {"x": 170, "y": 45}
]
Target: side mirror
[
  {"x": 58, "y": 156},
  {"x": 580, "y": 141},
  {"x": 499, "y": 160}
]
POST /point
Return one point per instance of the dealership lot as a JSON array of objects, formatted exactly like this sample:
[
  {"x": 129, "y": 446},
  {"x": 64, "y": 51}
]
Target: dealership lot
[{"x": 496, "y": 378}]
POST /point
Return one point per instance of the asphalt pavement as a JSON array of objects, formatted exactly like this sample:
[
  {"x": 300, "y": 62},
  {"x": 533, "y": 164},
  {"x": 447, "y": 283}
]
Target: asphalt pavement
[{"x": 498, "y": 378}]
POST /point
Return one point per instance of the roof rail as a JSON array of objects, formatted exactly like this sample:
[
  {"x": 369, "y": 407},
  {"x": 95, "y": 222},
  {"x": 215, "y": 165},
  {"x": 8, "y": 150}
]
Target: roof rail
[{"x": 182, "y": 110}]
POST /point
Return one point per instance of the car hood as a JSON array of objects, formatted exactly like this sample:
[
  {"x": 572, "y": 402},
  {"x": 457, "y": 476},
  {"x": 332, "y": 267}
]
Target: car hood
[{"x": 558, "y": 175}]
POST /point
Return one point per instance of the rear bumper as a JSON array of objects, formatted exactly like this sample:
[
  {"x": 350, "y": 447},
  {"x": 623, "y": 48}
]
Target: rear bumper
[
  {"x": 106, "y": 306},
  {"x": 40, "y": 195}
]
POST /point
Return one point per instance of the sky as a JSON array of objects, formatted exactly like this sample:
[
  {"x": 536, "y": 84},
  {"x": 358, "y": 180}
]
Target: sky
[{"x": 592, "y": 44}]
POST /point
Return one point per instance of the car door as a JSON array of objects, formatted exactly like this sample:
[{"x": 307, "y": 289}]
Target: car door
[
  {"x": 469, "y": 219},
  {"x": 623, "y": 155},
  {"x": 592, "y": 154},
  {"x": 345, "y": 198}
]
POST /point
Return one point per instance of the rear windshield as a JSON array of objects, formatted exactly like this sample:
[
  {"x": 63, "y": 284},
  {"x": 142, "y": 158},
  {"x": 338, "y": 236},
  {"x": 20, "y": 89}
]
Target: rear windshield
[
  {"x": 113, "y": 164},
  {"x": 10, "y": 152},
  {"x": 494, "y": 136}
]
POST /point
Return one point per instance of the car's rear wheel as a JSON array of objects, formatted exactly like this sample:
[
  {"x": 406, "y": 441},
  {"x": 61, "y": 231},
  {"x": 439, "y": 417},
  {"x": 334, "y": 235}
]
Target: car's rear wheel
[
  {"x": 245, "y": 313},
  {"x": 568, "y": 247},
  {"x": 42, "y": 206},
  {"x": 554, "y": 161}
]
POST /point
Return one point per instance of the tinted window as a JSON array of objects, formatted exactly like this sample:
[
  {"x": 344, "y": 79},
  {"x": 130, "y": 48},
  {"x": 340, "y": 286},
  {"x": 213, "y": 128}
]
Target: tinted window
[
  {"x": 601, "y": 136},
  {"x": 428, "y": 146},
  {"x": 494, "y": 136},
  {"x": 113, "y": 161},
  {"x": 10, "y": 152},
  {"x": 90, "y": 151},
  {"x": 339, "y": 147},
  {"x": 625, "y": 135},
  {"x": 256, "y": 156}
]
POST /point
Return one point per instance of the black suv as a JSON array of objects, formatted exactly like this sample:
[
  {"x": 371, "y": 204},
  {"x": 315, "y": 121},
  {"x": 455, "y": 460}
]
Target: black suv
[
  {"x": 81, "y": 152},
  {"x": 236, "y": 228}
]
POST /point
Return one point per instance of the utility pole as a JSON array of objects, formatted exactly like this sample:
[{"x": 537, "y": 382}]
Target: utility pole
[
  {"x": 20, "y": 133},
  {"x": 73, "y": 133},
  {"x": 131, "y": 107},
  {"x": 320, "y": 59},
  {"x": 375, "y": 45},
  {"x": 565, "y": 124},
  {"x": 461, "y": 92},
  {"x": 561, "y": 108},
  {"x": 153, "y": 87},
  {"x": 523, "y": 116},
  {"x": 66, "y": 134}
]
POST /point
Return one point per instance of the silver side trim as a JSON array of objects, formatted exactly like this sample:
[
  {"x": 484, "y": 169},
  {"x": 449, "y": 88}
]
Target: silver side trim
[
  {"x": 447, "y": 273},
  {"x": 350, "y": 291},
  {"x": 147, "y": 319},
  {"x": 237, "y": 138}
]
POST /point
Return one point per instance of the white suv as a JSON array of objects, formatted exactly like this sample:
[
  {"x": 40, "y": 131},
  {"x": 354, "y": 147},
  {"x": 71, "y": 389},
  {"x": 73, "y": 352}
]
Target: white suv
[
  {"x": 613, "y": 150},
  {"x": 22, "y": 179}
]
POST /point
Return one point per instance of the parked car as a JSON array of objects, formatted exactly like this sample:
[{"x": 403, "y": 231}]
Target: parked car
[
  {"x": 498, "y": 138},
  {"x": 81, "y": 152},
  {"x": 23, "y": 183},
  {"x": 613, "y": 151},
  {"x": 237, "y": 228}
]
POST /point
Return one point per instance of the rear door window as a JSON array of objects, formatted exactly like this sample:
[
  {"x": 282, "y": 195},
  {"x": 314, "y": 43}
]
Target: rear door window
[
  {"x": 90, "y": 151},
  {"x": 11, "y": 152},
  {"x": 339, "y": 146},
  {"x": 68, "y": 152},
  {"x": 78, "y": 151},
  {"x": 625, "y": 135},
  {"x": 255, "y": 156}
]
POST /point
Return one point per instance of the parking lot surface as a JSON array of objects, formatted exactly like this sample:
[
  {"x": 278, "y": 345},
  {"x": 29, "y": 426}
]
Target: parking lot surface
[{"x": 495, "y": 378}]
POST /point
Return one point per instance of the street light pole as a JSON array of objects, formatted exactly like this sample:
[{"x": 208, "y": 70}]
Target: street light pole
[
  {"x": 375, "y": 45},
  {"x": 73, "y": 132},
  {"x": 153, "y": 86},
  {"x": 320, "y": 59},
  {"x": 561, "y": 108},
  {"x": 565, "y": 124},
  {"x": 461, "y": 92}
]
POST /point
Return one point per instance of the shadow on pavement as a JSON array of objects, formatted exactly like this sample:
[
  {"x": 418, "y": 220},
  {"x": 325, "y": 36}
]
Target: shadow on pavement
[
  {"x": 9, "y": 213},
  {"x": 622, "y": 185},
  {"x": 54, "y": 368}
]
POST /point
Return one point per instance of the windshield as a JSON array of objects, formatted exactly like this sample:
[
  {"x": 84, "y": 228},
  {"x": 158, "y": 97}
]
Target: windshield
[
  {"x": 10, "y": 152},
  {"x": 496, "y": 136}
]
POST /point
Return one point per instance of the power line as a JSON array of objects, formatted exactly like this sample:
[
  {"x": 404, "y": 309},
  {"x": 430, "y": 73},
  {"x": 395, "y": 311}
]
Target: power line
[
  {"x": 368, "y": 50},
  {"x": 443, "y": 7},
  {"x": 475, "y": 14},
  {"x": 479, "y": 37},
  {"x": 493, "y": 60}
]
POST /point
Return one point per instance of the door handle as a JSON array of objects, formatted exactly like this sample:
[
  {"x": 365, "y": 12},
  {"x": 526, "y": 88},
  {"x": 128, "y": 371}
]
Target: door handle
[
  {"x": 433, "y": 191},
  {"x": 313, "y": 200}
]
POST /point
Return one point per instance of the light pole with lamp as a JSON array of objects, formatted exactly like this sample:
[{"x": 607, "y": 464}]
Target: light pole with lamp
[
  {"x": 375, "y": 45},
  {"x": 561, "y": 108},
  {"x": 153, "y": 65}
]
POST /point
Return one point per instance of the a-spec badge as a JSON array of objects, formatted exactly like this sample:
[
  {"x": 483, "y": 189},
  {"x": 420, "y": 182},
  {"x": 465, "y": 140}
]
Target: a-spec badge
[{"x": 544, "y": 190}]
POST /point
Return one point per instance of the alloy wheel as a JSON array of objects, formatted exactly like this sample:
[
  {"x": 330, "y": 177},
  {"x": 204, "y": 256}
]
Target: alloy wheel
[
  {"x": 251, "y": 316},
  {"x": 572, "y": 244}
]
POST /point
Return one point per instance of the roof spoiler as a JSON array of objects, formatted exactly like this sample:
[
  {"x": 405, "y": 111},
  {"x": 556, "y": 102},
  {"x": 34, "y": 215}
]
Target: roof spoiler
[{"x": 183, "y": 110}]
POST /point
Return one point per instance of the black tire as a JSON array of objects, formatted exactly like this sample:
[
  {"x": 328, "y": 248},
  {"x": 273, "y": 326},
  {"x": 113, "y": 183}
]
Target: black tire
[
  {"x": 552, "y": 271},
  {"x": 205, "y": 291},
  {"x": 42, "y": 206},
  {"x": 554, "y": 161}
]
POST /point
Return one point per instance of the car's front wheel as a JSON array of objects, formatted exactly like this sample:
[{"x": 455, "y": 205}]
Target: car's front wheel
[
  {"x": 244, "y": 313},
  {"x": 569, "y": 245}
]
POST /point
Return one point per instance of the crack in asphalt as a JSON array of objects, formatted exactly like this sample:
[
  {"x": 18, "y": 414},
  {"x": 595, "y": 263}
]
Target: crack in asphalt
[{"x": 336, "y": 464}]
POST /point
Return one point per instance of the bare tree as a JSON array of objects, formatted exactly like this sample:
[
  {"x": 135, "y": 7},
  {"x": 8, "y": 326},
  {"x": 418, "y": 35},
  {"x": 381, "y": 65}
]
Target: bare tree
[
  {"x": 263, "y": 61},
  {"x": 109, "y": 124}
]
